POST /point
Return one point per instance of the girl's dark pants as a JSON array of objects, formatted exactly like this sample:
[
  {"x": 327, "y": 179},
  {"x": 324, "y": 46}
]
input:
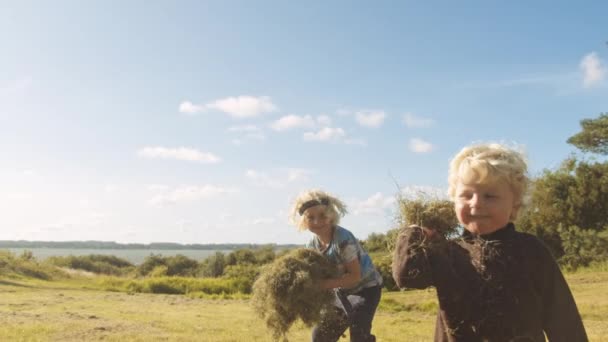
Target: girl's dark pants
[{"x": 358, "y": 318}]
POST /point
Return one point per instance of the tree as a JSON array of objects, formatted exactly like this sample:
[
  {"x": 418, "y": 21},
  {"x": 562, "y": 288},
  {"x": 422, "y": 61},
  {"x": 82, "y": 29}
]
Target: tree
[
  {"x": 576, "y": 194},
  {"x": 241, "y": 256},
  {"x": 594, "y": 135},
  {"x": 582, "y": 247},
  {"x": 213, "y": 266},
  {"x": 180, "y": 265},
  {"x": 569, "y": 205},
  {"x": 375, "y": 242}
]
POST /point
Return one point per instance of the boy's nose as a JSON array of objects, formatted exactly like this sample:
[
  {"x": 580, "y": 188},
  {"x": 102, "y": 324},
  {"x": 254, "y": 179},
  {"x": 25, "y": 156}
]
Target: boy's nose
[{"x": 475, "y": 201}]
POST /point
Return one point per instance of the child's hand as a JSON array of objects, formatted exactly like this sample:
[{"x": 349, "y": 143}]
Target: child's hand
[
  {"x": 323, "y": 285},
  {"x": 429, "y": 233}
]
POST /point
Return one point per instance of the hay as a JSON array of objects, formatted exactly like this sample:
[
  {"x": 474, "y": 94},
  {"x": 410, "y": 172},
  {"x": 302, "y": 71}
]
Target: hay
[
  {"x": 288, "y": 289},
  {"x": 429, "y": 212}
]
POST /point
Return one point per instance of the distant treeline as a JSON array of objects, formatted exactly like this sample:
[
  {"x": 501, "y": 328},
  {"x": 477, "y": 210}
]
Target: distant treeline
[{"x": 115, "y": 245}]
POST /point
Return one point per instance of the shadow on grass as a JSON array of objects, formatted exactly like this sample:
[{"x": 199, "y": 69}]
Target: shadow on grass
[{"x": 11, "y": 283}]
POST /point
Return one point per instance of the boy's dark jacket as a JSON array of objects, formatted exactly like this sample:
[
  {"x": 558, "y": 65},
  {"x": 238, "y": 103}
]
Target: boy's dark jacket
[{"x": 504, "y": 286}]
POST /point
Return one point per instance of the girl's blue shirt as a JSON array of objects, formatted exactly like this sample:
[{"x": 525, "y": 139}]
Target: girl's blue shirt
[{"x": 343, "y": 249}]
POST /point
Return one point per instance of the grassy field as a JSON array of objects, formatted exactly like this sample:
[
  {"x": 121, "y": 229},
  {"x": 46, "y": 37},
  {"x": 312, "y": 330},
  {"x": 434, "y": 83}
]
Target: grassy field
[{"x": 36, "y": 310}]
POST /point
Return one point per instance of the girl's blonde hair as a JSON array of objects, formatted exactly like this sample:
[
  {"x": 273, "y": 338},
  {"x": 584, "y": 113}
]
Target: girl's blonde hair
[
  {"x": 335, "y": 207},
  {"x": 488, "y": 163}
]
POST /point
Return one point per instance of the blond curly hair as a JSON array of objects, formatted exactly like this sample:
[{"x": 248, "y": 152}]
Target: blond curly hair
[
  {"x": 488, "y": 163},
  {"x": 335, "y": 207}
]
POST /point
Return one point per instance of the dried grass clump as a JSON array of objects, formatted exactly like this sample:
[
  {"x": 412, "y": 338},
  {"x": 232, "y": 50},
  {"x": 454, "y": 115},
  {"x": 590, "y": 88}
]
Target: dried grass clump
[
  {"x": 424, "y": 211},
  {"x": 288, "y": 289}
]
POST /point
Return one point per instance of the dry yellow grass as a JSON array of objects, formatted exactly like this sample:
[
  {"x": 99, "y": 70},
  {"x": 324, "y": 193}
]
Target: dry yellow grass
[{"x": 34, "y": 310}]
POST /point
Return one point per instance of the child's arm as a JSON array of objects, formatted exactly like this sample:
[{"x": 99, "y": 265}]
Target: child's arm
[
  {"x": 561, "y": 319},
  {"x": 351, "y": 277},
  {"x": 411, "y": 266}
]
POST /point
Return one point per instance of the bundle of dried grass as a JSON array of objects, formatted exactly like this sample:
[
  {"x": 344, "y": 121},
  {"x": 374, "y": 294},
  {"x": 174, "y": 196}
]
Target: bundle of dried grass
[
  {"x": 426, "y": 211},
  {"x": 288, "y": 289}
]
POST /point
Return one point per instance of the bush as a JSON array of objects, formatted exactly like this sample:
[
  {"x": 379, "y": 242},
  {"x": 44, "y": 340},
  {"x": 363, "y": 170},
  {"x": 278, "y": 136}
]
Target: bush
[
  {"x": 164, "y": 286},
  {"x": 383, "y": 263},
  {"x": 173, "y": 285},
  {"x": 178, "y": 265},
  {"x": 241, "y": 256},
  {"x": 100, "y": 264},
  {"x": 264, "y": 255},
  {"x": 213, "y": 266},
  {"x": 582, "y": 247},
  {"x": 150, "y": 263},
  {"x": 159, "y": 271},
  {"x": 244, "y": 274},
  {"x": 27, "y": 265}
]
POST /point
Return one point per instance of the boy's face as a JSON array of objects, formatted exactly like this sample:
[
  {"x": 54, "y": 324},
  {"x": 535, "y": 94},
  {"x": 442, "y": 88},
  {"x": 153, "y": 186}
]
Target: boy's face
[{"x": 484, "y": 208}]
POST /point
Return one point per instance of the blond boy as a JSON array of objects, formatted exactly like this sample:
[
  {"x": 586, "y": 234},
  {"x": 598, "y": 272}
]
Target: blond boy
[{"x": 493, "y": 283}]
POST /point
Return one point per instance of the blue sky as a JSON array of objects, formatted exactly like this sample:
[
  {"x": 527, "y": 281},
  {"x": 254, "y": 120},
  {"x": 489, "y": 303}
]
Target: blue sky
[{"x": 199, "y": 122}]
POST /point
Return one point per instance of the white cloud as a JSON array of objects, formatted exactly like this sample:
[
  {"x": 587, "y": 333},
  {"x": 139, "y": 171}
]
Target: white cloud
[
  {"x": 255, "y": 136},
  {"x": 86, "y": 218},
  {"x": 292, "y": 121},
  {"x": 325, "y": 134},
  {"x": 278, "y": 179},
  {"x": 111, "y": 189},
  {"x": 344, "y": 112},
  {"x": 359, "y": 142},
  {"x": 295, "y": 175},
  {"x": 190, "y": 193},
  {"x": 249, "y": 132},
  {"x": 244, "y": 128},
  {"x": 412, "y": 121},
  {"x": 561, "y": 82},
  {"x": 421, "y": 191},
  {"x": 370, "y": 118},
  {"x": 180, "y": 153},
  {"x": 262, "y": 179},
  {"x": 420, "y": 146},
  {"x": 375, "y": 204},
  {"x": 18, "y": 196},
  {"x": 594, "y": 72},
  {"x": 188, "y": 107},
  {"x": 323, "y": 120},
  {"x": 157, "y": 187},
  {"x": 262, "y": 220},
  {"x": 239, "y": 107},
  {"x": 244, "y": 106}
]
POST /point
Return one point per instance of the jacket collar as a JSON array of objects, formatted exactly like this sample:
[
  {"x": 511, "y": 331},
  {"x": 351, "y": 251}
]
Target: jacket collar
[{"x": 501, "y": 234}]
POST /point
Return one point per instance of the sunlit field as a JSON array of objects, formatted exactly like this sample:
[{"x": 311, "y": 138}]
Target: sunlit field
[{"x": 73, "y": 310}]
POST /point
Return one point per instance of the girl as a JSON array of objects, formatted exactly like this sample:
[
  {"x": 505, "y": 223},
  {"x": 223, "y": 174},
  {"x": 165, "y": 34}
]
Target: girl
[{"x": 357, "y": 283}]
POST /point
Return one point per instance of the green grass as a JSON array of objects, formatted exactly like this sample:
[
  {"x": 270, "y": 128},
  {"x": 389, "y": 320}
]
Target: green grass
[{"x": 76, "y": 309}]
